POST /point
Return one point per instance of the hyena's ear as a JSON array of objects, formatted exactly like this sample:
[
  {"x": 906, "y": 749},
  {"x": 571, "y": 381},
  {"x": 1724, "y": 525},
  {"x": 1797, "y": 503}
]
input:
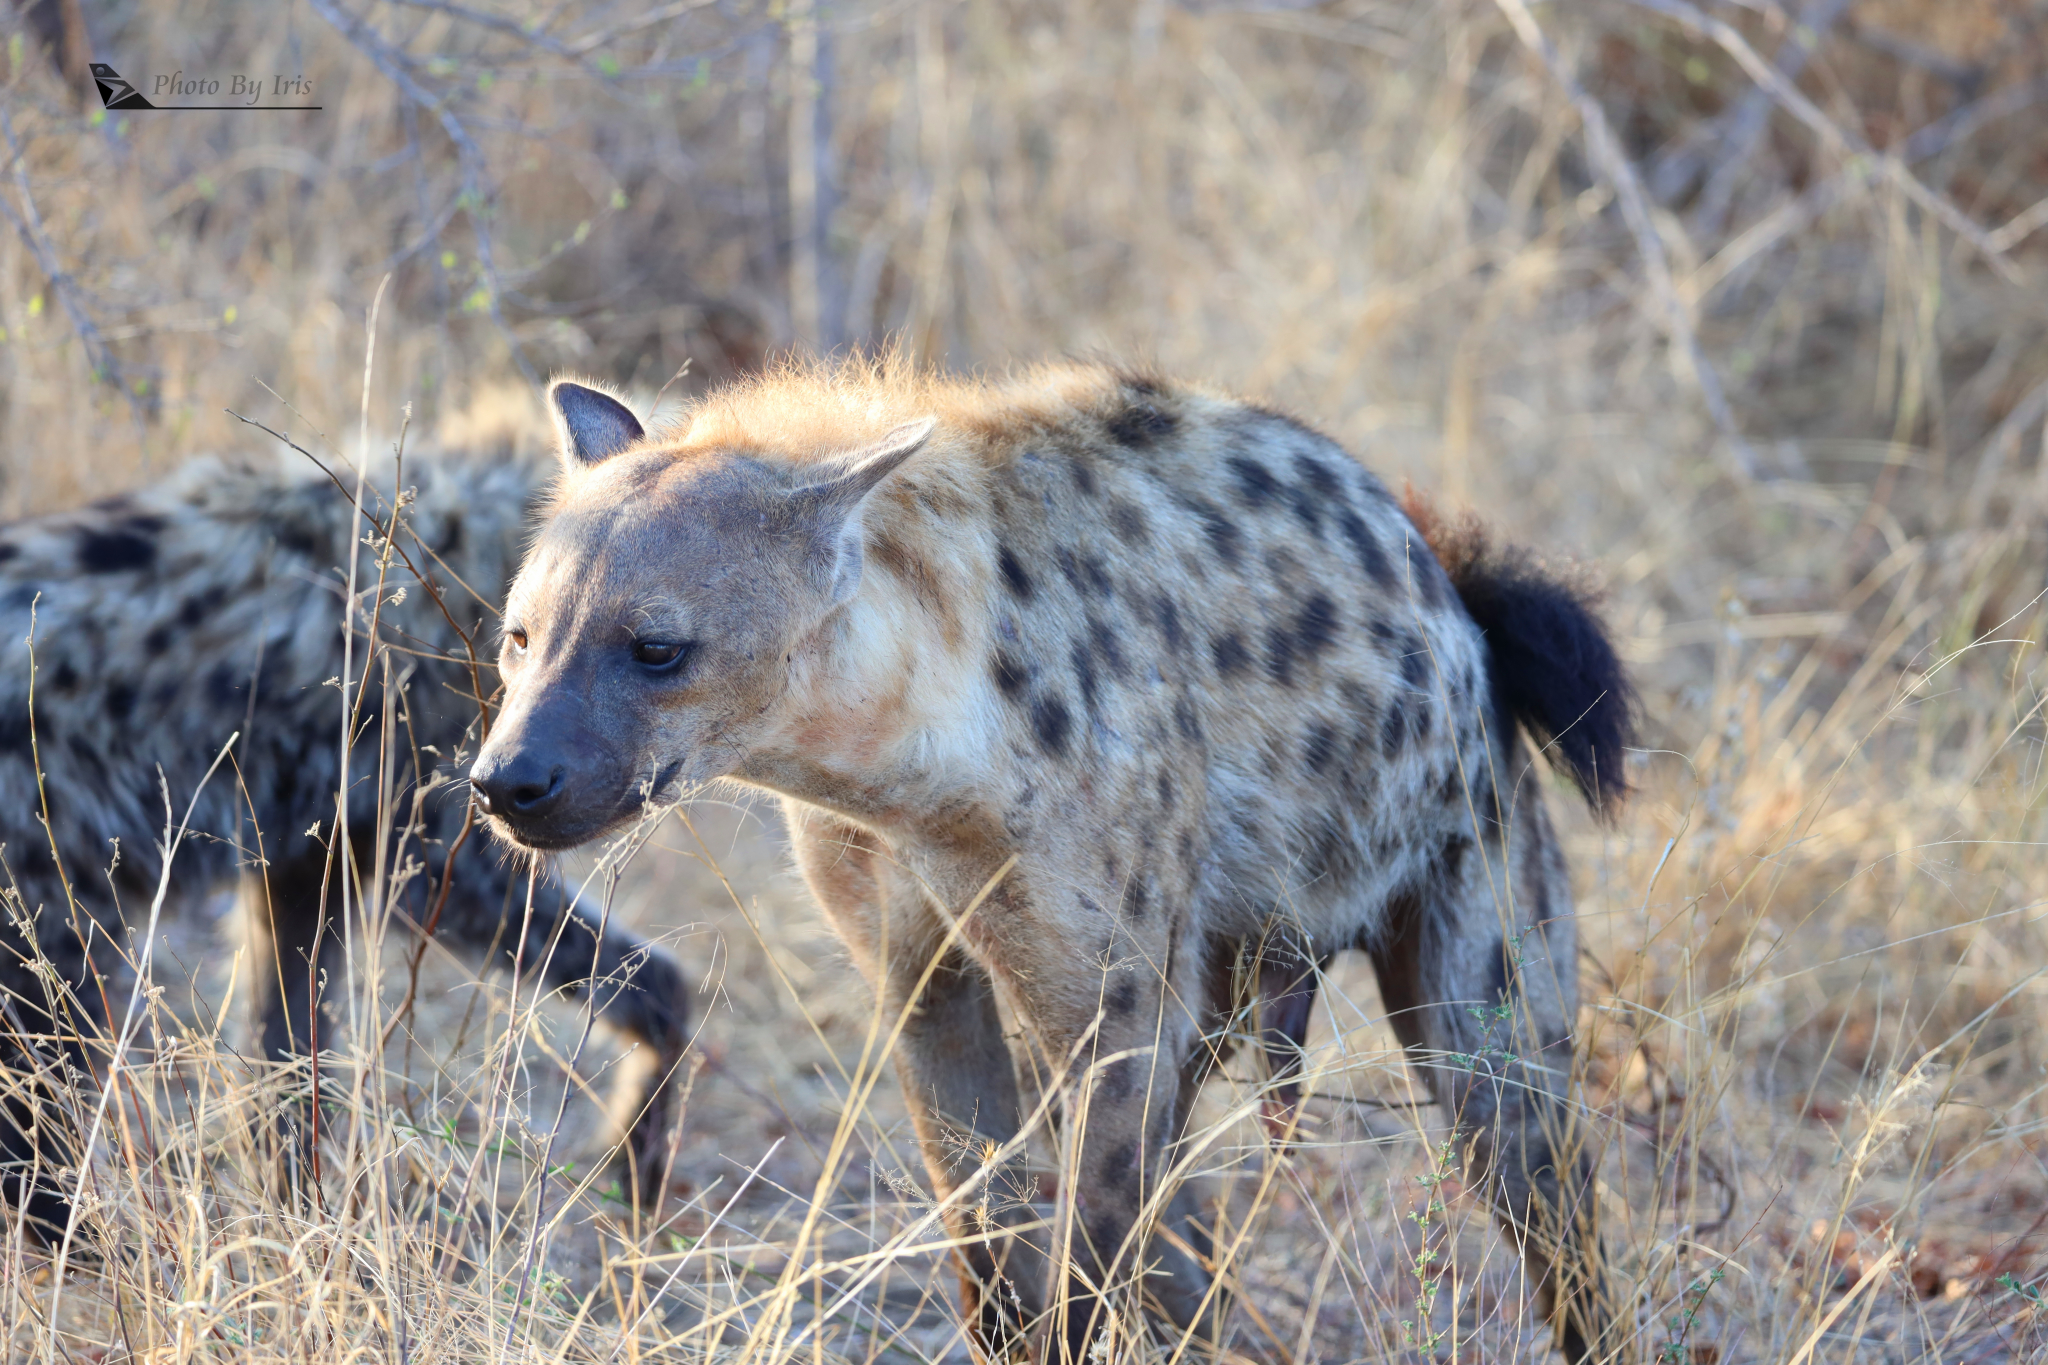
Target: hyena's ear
[
  {"x": 833, "y": 507},
  {"x": 593, "y": 426}
]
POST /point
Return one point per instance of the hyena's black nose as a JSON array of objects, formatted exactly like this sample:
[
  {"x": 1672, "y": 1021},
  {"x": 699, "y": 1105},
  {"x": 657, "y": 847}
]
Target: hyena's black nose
[{"x": 522, "y": 785}]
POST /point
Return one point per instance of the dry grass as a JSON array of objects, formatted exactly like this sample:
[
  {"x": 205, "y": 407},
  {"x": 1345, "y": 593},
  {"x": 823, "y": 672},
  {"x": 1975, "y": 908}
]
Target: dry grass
[{"x": 1812, "y": 991}]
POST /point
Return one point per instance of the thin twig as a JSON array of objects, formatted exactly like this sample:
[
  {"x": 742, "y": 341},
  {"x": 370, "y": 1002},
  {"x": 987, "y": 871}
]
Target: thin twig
[
  {"x": 1606, "y": 152},
  {"x": 28, "y": 225},
  {"x": 469, "y": 156},
  {"x": 1831, "y": 134}
]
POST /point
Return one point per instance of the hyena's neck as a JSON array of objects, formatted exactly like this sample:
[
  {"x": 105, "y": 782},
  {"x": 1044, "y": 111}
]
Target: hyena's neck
[{"x": 885, "y": 721}]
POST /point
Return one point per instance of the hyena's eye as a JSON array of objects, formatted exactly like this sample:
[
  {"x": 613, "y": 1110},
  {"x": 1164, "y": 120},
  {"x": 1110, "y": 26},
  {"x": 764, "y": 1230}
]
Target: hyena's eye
[
  {"x": 518, "y": 639},
  {"x": 659, "y": 656}
]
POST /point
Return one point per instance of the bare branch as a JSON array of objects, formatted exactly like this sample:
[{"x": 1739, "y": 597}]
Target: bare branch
[
  {"x": 1831, "y": 135},
  {"x": 1605, "y": 150},
  {"x": 28, "y": 225},
  {"x": 469, "y": 156}
]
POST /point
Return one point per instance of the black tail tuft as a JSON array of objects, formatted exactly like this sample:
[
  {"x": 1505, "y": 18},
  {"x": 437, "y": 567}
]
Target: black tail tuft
[{"x": 1554, "y": 669}]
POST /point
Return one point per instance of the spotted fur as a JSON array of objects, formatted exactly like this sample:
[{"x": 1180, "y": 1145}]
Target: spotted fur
[
  {"x": 1086, "y": 690},
  {"x": 208, "y": 606}
]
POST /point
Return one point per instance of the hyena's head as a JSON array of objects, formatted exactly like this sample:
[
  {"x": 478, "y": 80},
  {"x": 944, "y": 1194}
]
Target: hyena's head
[{"x": 650, "y": 632}]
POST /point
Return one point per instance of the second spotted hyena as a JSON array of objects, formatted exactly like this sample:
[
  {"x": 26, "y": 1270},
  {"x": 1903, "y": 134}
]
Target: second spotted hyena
[
  {"x": 1083, "y": 688},
  {"x": 211, "y": 605}
]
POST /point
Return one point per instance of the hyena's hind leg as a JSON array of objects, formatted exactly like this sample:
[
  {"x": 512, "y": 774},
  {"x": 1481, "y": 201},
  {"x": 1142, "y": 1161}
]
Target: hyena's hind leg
[
  {"x": 40, "y": 1036},
  {"x": 633, "y": 987},
  {"x": 1285, "y": 974},
  {"x": 294, "y": 949},
  {"x": 1484, "y": 1003}
]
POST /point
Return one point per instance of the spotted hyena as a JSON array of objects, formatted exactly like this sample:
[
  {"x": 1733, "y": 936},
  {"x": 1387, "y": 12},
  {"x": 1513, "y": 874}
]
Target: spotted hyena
[
  {"x": 210, "y": 605},
  {"x": 1085, "y": 691}
]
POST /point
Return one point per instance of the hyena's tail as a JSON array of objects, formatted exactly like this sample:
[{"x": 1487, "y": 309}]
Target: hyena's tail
[{"x": 1554, "y": 669}]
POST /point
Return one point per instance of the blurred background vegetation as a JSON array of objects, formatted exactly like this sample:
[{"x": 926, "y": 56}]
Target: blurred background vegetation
[{"x": 1745, "y": 301}]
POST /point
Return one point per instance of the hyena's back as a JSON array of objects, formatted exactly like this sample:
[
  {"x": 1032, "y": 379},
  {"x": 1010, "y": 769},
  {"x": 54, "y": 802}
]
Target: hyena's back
[
  {"x": 1211, "y": 624},
  {"x": 168, "y": 620},
  {"x": 140, "y": 634}
]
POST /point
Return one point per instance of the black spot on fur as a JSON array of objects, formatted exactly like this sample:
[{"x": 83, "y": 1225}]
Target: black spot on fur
[
  {"x": 1307, "y": 510},
  {"x": 298, "y": 537},
  {"x": 1414, "y": 664},
  {"x": 87, "y": 756},
  {"x": 157, "y": 641},
  {"x": 1185, "y": 846},
  {"x": 1143, "y": 385},
  {"x": 14, "y": 731},
  {"x": 1256, "y": 486},
  {"x": 1224, "y": 537},
  {"x": 1103, "y": 640},
  {"x": 1325, "y": 853},
  {"x": 65, "y": 678},
  {"x": 116, "y": 550},
  {"x": 1316, "y": 626},
  {"x": 1084, "y": 674},
  {"x": 1231, "y": 656},
  {"x": 223, "y": 687},
  {"x": 1070, "y": 568},
  {"x": 8, "y": 551},
  {"x": 1010, "y": 675},
  {"x": 1136, "y": 900},
  {"x": 120, "y": 701},
  {"x": 1166, "y": 793},
  {"x": 1319, "y": 479},
  {"x": 1372, "y": 556},
  {"x": 1319, "y": 747},
  {"x": 1084, "y": 474},
  {"x": 1050, "y": 722},
  {"x": 1280, "y": 655},
  {"x": 194, "y": 609},
  {"x": 1095, "y": 573},
  {"x": 1127, "y": 519},
  {"x": 1139, "y": 425},
  {"x": 1393, "y": 729},
  {"x": 1185, "y": 720},
  {"x": 1014, "y": 577},
  {"x": 32, "y": 858},
  {"x": 1169, "y": 624}
]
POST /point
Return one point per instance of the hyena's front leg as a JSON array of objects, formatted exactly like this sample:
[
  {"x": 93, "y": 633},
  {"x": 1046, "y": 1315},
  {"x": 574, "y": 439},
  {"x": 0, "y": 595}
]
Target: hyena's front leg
[
  {"x": 633, "y": 987},
  {"x": 951, "y": 1058},
  {"x": 1123, "y": 1044},
  {"x": 1484, "y": 1002}
]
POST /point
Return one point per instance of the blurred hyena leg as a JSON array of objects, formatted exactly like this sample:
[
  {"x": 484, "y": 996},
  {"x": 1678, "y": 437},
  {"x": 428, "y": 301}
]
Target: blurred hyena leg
[
  {"x": 633, "y": 987},
  {"x": 952, "y": 1059},
  {"x": 50, "y": 1005},
  {"x": 294, "y": 944},
  {"x": 1285, "y": 975},
  {"x": 38, "y": 1140},
  {"x": 1484, "y": 1001}
]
